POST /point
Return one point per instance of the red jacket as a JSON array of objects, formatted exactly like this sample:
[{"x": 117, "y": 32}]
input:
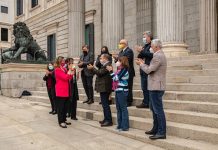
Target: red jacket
[{"x": 62, "y": 82}]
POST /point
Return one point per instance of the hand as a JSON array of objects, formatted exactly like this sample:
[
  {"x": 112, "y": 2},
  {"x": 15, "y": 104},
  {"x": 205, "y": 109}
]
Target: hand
[
  {"x": 109, "y": 68},
  {"x": 138, "y": 48},
  {"x": 139, "y": 61},
  {"x": 115, "y": 56},
  {"x": 47, "y": 72},
  {"x": 90, "y": 67},
  {"x": 80, "y": 64},
  {"x": 79, "y": 70}
]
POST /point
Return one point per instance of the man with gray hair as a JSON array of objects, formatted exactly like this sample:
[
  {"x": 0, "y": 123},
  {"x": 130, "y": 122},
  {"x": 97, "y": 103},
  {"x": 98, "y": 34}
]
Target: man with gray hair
[
  {"x": 146, "y": 55},
  {"x": 156, "y": 85}
]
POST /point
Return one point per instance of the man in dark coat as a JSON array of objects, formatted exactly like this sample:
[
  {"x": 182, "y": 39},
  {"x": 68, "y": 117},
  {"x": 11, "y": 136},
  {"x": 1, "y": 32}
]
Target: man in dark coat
[
  {"x": 87, "y": 76},
  {"x": 103, "y": 85},
  {"x": 146, "y": 55},
  {"x": 126, "y": 51}
]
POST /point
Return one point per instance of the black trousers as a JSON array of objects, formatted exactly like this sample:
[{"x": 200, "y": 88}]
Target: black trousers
[
  {"x": 130, "y": 85},
  {"x": 51, "y": 98},
  {"x": 62, "y": 109},
  {"x": 72, "y": 106},
  {"x": 87, "y": 84},
  {"x": 106, "y": 107}
]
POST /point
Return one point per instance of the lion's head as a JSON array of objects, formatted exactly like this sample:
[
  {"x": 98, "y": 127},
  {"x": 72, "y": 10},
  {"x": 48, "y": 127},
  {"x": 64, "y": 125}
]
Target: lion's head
[{"x": 21, "y": 30}]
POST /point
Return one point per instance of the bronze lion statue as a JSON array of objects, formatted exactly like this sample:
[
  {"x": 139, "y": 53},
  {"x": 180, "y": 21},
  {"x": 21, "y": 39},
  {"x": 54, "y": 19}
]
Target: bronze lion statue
[{"x": 24, "y": 43}]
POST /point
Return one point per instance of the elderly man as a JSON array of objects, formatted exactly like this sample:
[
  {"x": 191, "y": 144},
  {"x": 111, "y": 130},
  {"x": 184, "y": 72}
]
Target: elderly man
[
  {"x": 126, "y": 51},
  {"x": 156, "y": 85},
  {"x": 146, "y": 55}
]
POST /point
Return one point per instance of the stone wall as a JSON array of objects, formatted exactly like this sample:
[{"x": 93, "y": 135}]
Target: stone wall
[
  {"x": 97, "y": 20},
  {"x": 192, "y": 25},
  {"x": 50, "y": 21}
]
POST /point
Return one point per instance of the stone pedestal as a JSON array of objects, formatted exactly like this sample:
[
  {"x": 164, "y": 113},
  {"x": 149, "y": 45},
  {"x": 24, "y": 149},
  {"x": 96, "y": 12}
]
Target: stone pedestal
[
  {"x": 15, "y": 78},
  {"x": 170, "y": 27}
]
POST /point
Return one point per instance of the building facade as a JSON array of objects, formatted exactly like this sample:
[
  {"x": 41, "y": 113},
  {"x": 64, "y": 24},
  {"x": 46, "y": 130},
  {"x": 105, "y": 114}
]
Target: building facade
[
  {"x": 6, "y": 21},
  {"x": 61, "y": 27}
]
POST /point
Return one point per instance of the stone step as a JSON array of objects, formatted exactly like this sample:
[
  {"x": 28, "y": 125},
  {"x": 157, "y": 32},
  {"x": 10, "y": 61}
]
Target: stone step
[
  {"x": 181, "y": 130},
  {"x": 204, "y": 107},
  {"x": 187, "y": 117},
  {"x": 177, "y": 95},
  {"x": 210, "y": 66},
  {"x": 194, "y": 57},
  {"x": 172, "y": 95},
  {"x": 194, "y": 132},
  {"x": 192, "y": 62},
  {"x": 180, "y": 116},
  {"x": 171, "y": 143},
  {"x": 180, "y": 79},
  {"x": 186, "y": 87},
  {"x": 183, "y": 105},
  {"x": 190, "y": 87}
]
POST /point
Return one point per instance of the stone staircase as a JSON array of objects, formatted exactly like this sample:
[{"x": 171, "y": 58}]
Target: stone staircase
[{"x": 190, "y": 102}]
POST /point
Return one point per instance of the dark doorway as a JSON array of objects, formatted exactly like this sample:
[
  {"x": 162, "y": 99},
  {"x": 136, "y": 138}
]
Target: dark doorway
[
  {"x": 51, "y": 47},
  {"x": 89, "y": 37}
]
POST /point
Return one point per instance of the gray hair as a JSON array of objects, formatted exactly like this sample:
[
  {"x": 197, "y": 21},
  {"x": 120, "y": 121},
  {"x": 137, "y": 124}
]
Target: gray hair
[
  {"x": 157, "y": 43},
  {"x": 149, "y": 34}
]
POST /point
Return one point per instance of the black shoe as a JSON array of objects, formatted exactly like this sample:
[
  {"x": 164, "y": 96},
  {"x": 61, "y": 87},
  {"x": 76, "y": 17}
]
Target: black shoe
[
  {"x": 51, "y": 112},
  {"x": 156, "y": 137},
  {"x": 110, "y": 102},
  {"x": 107, "y": 124},
  {"x": 129, "y": 104},
  {"x": 74, "y": 118},
  {"x": 101, "y": 122},
  {"x": 142, "y": 106},
  {"x": 63, "y": 125},
  {"x": 54, "y": 113},
  {"x": 90, "y": 102},
  {"x": 151, "y": 132},
  {"x": 67, "y": 123},
  {"x": 100, "y": 103},
  {"x": 86, "y": 101}
]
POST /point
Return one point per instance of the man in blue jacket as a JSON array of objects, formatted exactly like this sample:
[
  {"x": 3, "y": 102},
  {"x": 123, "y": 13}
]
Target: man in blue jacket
[{"x": 145, "y": 54}]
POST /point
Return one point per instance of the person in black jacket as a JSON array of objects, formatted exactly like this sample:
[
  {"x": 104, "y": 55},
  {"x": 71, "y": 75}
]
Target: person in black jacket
[
  {"x": 50, "y": 84},
  {"x": 145, "y": 54},
  {"x": 126, "y": 51},
  {"x": 74, "y": 94},
  {"x": 103, "y": 85},
  {"x": 87, "y": 76},
  {"x": 104, "y": 50}
]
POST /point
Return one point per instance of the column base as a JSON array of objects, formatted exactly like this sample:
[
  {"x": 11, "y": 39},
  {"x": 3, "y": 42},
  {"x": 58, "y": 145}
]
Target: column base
[{"x": 175, "y": 50}]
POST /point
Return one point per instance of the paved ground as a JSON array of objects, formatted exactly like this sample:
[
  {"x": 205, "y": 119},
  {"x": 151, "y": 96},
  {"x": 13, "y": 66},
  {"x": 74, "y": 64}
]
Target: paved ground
[{"x": 26, "y": 125}]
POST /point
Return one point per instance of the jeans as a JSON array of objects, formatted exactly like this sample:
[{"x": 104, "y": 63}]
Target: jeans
[
  {"x": 130, "y": 86},
  {"x": 87, "y": 84},
  {"x": 106, "y": 108},
  {"x": 144, "y": 86},
  {"x": 122, "y": 111},
  {"x": 159, "y": 120}
]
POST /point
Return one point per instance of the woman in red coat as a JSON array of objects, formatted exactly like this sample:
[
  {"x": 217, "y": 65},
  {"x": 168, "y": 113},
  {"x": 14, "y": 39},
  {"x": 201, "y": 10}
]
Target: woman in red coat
[{"x": 62, "y": 77}]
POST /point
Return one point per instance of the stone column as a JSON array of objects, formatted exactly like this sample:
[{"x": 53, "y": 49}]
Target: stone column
[
  {"x": 170, "y": 27},
  {"x": 113, "y": 18},
  {"x": 208, "y": 26},
  {"x": 76, "y": 10}
]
